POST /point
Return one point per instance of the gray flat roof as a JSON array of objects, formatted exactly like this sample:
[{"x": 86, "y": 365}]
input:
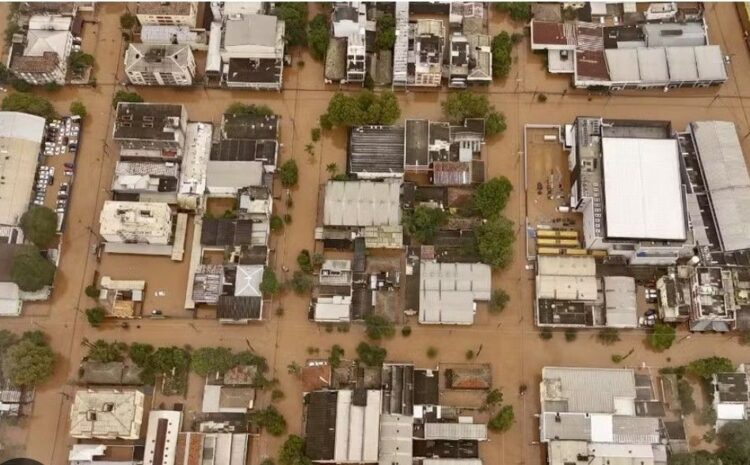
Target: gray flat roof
[
  {"x": 710, "y": 63},
  {"x": 674, "y": 34},
  {"x": 146, "y": 121},
  {"x": 362, "y": 203},
  {"x": 727, "y": 181},
  {"x": 376, "y": 149}
]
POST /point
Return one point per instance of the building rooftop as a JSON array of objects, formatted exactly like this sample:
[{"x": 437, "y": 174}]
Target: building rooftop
[
  {"x": 362, "y": 203},
  {"x": 320, "y": 425},
  {"x": 106, "y": 414},
  {"x": 163, "y": 8},
  {"x": 252, "y": 70},
  {"x": 148, "y": 121},
  {"x": 233, "y": 175},
  {"x": 239, "y": 126},
  {"x": 588, "y": 390},
  {"x": 147, "y": 219},
  {"x": 731, "y": 387},
  {"x": 448, "y": 291},
  {"x": 161, "y": 437},
  {"x": 226, "y": 232},
  {"x": 376, "y": 149},
  {"x": 620, "y": 302},
  {"x": 726, "y": 178},
  {"x": 239, "y": 308},
  {"x": 252, "y": 29},
  {"x": 21, "y": 138},
  {"x": 151, "y": 58},
  {"x": 112, "y": 373},
  {"x": 642, "y": 189},
  {"x": 674, "y": 34},
  {"x": 247, "y": 281}
]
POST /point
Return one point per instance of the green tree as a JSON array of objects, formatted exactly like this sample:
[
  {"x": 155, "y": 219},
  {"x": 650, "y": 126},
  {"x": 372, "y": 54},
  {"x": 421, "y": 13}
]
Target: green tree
[
  {"x": 707, "y": 367},
  {"x": 27, "y": 363},
  {"x": 20, "y": 85},
  {"x": 502, "y": 46},
  {"x": 300, "y": 282},
  {"x": 378, "y": 327},
  {"x": 495, "y": 240},
  {"x": 608, "y": 336},
  {"x": 466, "y": 104},
  {"x": 495, "y": 124},
  {"x": 105, "y": 352},
  {"x": 371, "y": 355},
  {"x": 315, "y": 134},
  {"x": 29, "y": 103},
  {"x": 494, "y": 398},
  {"x": 96, "y": 315},
  {"x": 571, "y": 334},
  {"x": 490, "y": 197},
  {"x": 39, "y": 225},
  {"x": 734, "y": 443},
  {"x": 125, "y": 96},
  {"x": 385, "y": 38},
  {"x": 7, "y": 339},
  {"x": 270, "y": 419},
  {"x": 292, "y": 452},
  {"x": 127, "y": 21},
  {"x": 30, "y": 271},
  {"x": 294, "y": 15},
  {"x": 432, "y": 352},
  {"x": 78, "y": 61},
  {"x": 337, "y": 353},
  {"x": 36, "y": 336},
  {"x": 305, "y": 261},
  {"x": 546, "y": 334},
  {"x": 140, "y": 353},
  {"x": 362, "y": 108},
  {"x": 685, "y": 394},
  {"x": 518, "y": 11},
  {"x": 276, "y": 223},
  {"x": 406, "y": 331},
  {"x": 248, "y": 109},
  {"x": 498, "y": 301},
  {"x": 318, "y": 36},
  {"x": 210, "y": 360},
  {"x": 269, "y": 286},
  {"x": 700, "y": 457},
  {"x": 77, "y": 108},
  {"x": 503, "y": 420},
  {"x": 92, "y": 291},
  {"x": 662, "y": 337},
  {"x": 289, "y": 173},
  {"x": 424, "y": 223}
]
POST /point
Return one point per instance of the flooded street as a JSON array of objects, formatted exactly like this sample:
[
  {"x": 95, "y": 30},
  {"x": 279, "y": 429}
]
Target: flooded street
[{"x": 509, "y": 341}]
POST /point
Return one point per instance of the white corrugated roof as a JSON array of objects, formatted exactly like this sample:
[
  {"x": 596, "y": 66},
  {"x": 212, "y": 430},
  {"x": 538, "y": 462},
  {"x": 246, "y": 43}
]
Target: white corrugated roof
[
  {"x": 642, "y": 188},
  {"x": 587, "y": 390},
  {"x": 620, "y": 302},
  {"x": 727, "y": 180},
  {"x": 447, "y": 291},
  {"x": 623, "y": 64},
  {"x": 566, "y": 287},
  {"x": 559, "y": 265},
  {"x": 362, "y": 203},
  {"x": 455, "y": 431},
  {"x": 730, "y": 411},
  {"x": 681, "y": 63},
  {"x": 652, "y": 63},
  {"x": 710, "y": 63}
]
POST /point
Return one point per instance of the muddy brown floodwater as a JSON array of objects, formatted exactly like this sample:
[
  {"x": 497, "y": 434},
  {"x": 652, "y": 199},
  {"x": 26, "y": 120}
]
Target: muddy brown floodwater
[{"x": 508, "y": 341}]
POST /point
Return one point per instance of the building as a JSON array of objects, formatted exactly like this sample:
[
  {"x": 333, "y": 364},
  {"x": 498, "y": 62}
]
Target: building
[
  {"x": 252, "y": 54},
  {"x": 106, "y": 414},
  {"x": 195, "y": 38},
  {"x": 227, "y": 399},
  {"x": 448, "y": 292},
  {"x": 630, "y": 56},
  {"x": 570, "y": 294},
  {"x": 194, "y": 165},
  {"x": 333, "y": 303},
  {"x": 470, "y": 60},
  {"x": 42, "y": 56},
  {"x": 121, "y": 298},
  {"x": 93, "y": 454},
  {"x": 350, "y": 26},
  {"x": 719, "y": 194},
  {"x": 136, "y": 222},
  {"x": 227, "y": 178},
  {"x": 147, "y": 131},
  {"x": 376, "y": 152},
  {"x": 167, "y": 14},
  {"x": 161, "y": 437},
  {"x": 604, "y": 415},
  {"x": 153, "y": 181},
  {"x": 626, "y": 182},
  {"x": 362, "y": 203},
  {"x": 159, "y": 65},
  {"x": 21, "y": 137},
  {"x": 217, "y": 448},
  {"x": 248, "y": 138},
  {"x": 450, "y": 154},
  {"x": 428, "y": 36},
  {"x": 731, "y": 397}
]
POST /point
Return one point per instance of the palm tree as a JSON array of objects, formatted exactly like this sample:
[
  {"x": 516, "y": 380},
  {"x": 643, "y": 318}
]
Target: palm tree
[{"x": 332, "y": 168}]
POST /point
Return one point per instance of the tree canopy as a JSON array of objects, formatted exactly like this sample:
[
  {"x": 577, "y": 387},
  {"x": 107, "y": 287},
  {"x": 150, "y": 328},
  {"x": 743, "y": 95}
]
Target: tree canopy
[
  {"x": 292, "y": 452},
  {"x": 385, "y": 37},
  {"x": 707, "y": 367},
  {"x": 39, "y": 225},
  {"x": 127, "y": 21},
  {"x": 490, "y": 197},
  {"x": 125, "y": 96},
  {"x": 319, "y": 36},
  {"x": 105, "y": 352},
  {"x": 305, "y": 261},
  {"x": 518, "y": 11},
  {"x": 608, "y": 336},
  {"x": 289, "y": 173},
  {"x": 30, "y": 271},
  {"x": 498, "y": 301},
  {"x": 502, "y": 420},
  {"x": 466, "y": 104},
  {"x": 77, "y": 108},
  {"x": 734, "y": 441},
  {"x": 209, "y": 360},
  {"x": 270, "y": 419},
  {"x": 662, "y": 337},
  {"x": 379, "y": 327},
  {"x": 140, "y": 353},
  {"x": 300, "y": 283},
  {"x": 28, "y": 362},
  {"x": 96, "y": 315},
  {"x": 502, "y": 46},
  {"x": 248, "y": 109},
  {"x": 29, "y": 103},
  {"x": 371, "y": 355},
  {"x": 423, "y": 223},
  {"x": 361, "y": 108},
  {"x": 269, "y": 286},
  {"x": 495, "y": 240},
  {"x": 294, "y": 15}
]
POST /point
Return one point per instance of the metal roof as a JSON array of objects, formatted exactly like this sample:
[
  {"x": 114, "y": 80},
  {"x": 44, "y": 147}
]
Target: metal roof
[
  {"x": 362, "y": 203},
  {"x": 247, "y": 281},
  {"x": 674, "y": 34},
  {"x": 588, "y": 390},
  {"x": 623, "y": 64},
  {"x": 710, "y": 63},
  {"x": 395, "y": 440},
  {"x": 652, "y": 64},
  {"x": 620, "y": 302},
  {"x": 455, "y": 431},
  {"x": 20, "y": 140},
  {"x": 726, "y": 177},
  {"x": 252, "y": 29},
  {"x": 681, "y": 63},
  {"x": 557, "y": 265},
  {"x": 447, "y": 291},
  {"x": 642, "y": 189}
]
